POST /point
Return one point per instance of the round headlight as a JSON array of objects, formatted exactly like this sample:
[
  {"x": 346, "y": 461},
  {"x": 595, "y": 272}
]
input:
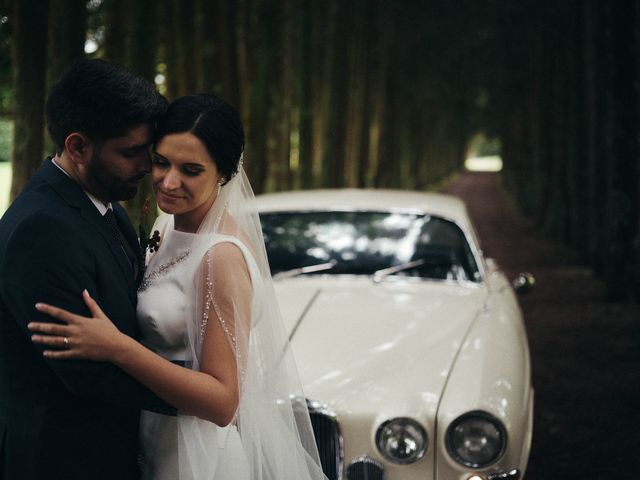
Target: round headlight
[
  {"x": 401, "y": 440},
  {"x": 476, "y": 439}
]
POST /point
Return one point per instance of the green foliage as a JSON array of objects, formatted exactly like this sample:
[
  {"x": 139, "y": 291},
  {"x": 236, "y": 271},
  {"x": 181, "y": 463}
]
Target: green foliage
[
  {"x": 6, "y": 139},
  {"x": 6, "y": 90},
  {"x": 482, "y": 146}
]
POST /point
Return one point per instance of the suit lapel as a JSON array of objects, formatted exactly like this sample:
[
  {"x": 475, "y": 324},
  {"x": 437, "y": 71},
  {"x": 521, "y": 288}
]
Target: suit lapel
[{"x": 73, "y": 194}]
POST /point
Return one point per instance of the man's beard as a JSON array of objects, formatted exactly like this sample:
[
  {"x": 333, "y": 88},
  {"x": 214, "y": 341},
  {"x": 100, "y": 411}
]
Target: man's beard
[{"x": 107, "y": 185}]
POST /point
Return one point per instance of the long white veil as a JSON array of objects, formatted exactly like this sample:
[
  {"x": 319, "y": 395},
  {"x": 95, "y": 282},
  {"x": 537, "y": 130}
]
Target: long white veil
[{"x": 272, "y": 418}]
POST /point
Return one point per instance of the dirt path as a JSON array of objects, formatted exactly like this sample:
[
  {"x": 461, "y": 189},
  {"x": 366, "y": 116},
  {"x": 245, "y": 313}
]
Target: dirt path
[{"x": 585, "y": 352}]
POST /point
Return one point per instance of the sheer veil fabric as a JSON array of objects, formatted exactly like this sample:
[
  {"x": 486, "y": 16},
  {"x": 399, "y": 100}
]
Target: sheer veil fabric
[{"x": 233, "y": 286}]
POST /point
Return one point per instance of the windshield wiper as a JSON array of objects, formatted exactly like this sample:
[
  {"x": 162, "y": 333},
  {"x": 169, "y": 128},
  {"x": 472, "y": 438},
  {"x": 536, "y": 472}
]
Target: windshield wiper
[
  {"x": 302, "y": 270},
  {"x": 378, "y": 275}
]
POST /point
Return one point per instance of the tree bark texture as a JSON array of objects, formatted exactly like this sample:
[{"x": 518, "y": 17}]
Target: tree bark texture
[
  {"x": 67, "y": 34},
  {"x": 584, "y": 155},
  {"x": 29, "y": 50},
  {"x": 374, "y": 93},
  {"x": 142, "y": 40}
]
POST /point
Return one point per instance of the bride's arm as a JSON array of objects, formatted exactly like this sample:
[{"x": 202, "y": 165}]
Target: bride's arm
[{"x": 211, "y": 393}]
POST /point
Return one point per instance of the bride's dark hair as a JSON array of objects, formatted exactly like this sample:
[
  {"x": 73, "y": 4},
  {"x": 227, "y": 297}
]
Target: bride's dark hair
[{"x": 215, "y": 122}]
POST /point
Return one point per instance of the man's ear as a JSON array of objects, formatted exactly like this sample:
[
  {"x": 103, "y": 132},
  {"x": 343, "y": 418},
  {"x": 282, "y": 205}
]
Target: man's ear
[{"x": 78, "y": 147}]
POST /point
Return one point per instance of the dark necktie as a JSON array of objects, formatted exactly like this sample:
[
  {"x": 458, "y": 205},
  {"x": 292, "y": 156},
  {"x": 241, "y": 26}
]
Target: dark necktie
[{"x": 119, "y": 236}]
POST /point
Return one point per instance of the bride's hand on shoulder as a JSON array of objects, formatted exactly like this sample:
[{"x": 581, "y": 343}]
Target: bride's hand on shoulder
[{"x": 89, "y": 338}]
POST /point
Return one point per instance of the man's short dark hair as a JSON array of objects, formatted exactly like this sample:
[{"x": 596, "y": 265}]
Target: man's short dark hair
[{"x": 101, "y": 99}]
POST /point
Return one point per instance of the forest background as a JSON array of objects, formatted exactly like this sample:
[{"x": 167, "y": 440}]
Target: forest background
[{"x": 378, "y": 94}]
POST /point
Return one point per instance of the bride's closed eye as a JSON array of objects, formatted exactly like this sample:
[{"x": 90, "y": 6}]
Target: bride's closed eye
[
  {"x": 159, "y": 160},
  {"x": 190, "y": 169}
]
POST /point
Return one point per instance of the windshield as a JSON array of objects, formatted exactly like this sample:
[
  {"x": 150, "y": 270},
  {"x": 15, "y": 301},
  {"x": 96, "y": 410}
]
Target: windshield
[{"x": 363, "y": 243}]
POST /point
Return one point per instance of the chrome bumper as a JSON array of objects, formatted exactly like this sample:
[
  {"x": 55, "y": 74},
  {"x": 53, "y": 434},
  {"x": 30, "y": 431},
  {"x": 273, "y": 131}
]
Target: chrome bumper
[
  {"x": 510, "y": 475},
  {"x": 365, "y": 468}
]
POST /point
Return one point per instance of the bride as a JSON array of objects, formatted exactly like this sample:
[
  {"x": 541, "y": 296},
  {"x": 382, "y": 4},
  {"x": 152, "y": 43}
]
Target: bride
[{"x": 215, "y": 347}]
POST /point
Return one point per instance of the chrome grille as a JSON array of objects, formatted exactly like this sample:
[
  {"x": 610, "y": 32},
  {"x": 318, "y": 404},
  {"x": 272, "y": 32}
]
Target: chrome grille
[
  {"x": 365, "y": 468},
  {"x": 328, "y": 438}
]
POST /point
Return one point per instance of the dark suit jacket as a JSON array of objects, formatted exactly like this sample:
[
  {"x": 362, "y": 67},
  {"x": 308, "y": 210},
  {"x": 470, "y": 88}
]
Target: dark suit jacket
[{"x": 65, "y": 419}]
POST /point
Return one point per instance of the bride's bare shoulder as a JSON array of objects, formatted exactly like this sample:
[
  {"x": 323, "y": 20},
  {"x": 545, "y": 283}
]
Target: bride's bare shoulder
[{"x": 226, "y": 255}]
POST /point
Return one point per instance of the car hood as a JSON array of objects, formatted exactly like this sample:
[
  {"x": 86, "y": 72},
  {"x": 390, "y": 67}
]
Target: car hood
[{"x": 379, "y": 347}]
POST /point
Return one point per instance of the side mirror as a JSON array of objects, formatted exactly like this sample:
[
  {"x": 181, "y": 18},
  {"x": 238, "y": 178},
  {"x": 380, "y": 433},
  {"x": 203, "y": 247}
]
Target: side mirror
[
  {"x": 523, "y": 283},
  {"x": 492, "y": 266}
]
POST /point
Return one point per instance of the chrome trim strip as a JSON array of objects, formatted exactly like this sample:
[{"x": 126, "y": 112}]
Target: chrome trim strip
[
  {"x": 510, "y": 475},
  {"x": 302, "y": 315}
]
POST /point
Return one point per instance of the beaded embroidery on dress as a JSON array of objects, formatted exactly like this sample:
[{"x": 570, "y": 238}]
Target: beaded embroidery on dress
[
  {"x": 162, "y": 312},
  {"x": 193, "y": 280}
]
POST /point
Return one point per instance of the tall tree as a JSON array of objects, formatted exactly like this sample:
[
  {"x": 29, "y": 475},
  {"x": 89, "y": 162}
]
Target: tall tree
[
  {"x": 141, "y": 45},
  {"x": 116, "y": 30},
  {"x": 185, "y": 68},
  {"x": 261, "y": 20},
  {"x": 29, "y": 67},
  {"x": 593, "y": 140},
  {"x": 623, "y": 168},
  {"x": 356, "y": 121},
  {"x": 380, "y": 95},
  {"x": 284, "y": 99},
  {"x": 304, "y": 89},
  {"x": 220, "y": 22},
  {"x": 67, "y": 34},
  {"x": 336, "y": 68}
]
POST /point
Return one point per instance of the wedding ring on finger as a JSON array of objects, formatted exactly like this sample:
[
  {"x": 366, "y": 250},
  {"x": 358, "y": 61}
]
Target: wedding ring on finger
[{"x": 66, "y": 342}]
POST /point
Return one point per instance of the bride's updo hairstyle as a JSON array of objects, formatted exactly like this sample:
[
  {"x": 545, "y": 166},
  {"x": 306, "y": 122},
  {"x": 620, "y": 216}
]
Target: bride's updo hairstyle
[{"x": 216, "y": 123}]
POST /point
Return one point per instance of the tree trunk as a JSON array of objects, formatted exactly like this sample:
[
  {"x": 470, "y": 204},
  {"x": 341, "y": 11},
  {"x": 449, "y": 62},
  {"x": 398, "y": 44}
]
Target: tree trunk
[
  {"x": 142, "y": 48},
  {"x": 622, "y": 168},
  {"x": 67, "y": 34},
  {"x": 261, "y": 55},
  {"x": 285, "y": 99},
  {"x": 116, "y": 31},
  {"x": 143, "y": 38},
  {"x": 323, "y": 41},
  {"x": 183, "y": 71},
  {"x": 186, "y": 70},
  {"x": 221, "y": 25},
  {"x": 380, "y": 94},
  {"x": 29, "y": 49},
  {"x": 336, "y": 65},
  {"x": 575, "y": 138},
  {"x": 357, "y": 89},
  {"x": 305, "y": 108},
  {"x": 636, "y": 240}
]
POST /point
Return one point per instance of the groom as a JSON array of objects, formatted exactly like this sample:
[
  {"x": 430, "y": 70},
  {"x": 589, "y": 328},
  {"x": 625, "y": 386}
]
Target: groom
[{"x": 64, "y": 233}]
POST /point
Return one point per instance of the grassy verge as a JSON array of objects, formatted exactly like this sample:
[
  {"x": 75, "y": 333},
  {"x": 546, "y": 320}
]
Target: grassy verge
[
  {"x": 6, "y": 139},
  {"x": 5, "y": 185}
]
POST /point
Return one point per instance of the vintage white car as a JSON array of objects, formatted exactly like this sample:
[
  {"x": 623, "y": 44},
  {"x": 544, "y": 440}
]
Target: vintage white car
[{"x": 410, "y": 345}]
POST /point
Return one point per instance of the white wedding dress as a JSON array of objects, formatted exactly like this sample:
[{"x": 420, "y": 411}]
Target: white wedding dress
[
  {"x": 190, "y": 282},
  {"x": 163, "y": 313}
]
